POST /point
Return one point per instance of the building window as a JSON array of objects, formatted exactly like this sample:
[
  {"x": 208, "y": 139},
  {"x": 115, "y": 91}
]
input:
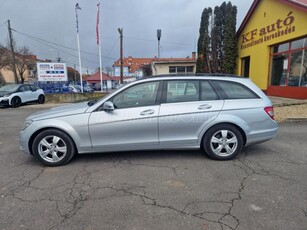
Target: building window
[
  {"x": 190, "y": 69},
  {"x": 181, "y": 69},
  {"x": 172, "y": 69},
  {"x": 289, "y": 64},
  {"x": 245, "y": 63}
]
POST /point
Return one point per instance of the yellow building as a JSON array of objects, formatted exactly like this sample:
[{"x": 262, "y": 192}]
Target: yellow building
[{"x": 273, "y": 47}]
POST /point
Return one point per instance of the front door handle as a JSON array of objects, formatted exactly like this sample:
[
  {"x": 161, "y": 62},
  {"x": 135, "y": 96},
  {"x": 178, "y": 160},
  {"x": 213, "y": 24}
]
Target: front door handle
[
  {"x": 147, "y": 112},
  {"x": 205, "y": 106}
]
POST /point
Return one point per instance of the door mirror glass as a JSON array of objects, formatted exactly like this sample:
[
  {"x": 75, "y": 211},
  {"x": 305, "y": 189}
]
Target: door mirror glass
[{"x": 108, "y": 106}]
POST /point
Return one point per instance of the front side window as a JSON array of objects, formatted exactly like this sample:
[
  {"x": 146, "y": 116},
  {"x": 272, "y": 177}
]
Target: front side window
[
  {"x": 25, "y": 88},
  {"x": 234, "y": 90},
  {"x": 182, "y": 91},
  {"x": 139, "y": 95}
]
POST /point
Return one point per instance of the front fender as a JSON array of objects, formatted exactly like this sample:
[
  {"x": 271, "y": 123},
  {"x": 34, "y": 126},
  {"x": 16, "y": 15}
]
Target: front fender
[{"x": 75, "y": 126}]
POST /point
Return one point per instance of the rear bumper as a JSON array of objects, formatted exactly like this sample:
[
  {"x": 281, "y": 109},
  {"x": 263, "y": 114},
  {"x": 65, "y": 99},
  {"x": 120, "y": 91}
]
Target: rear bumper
[{"x": 261, "y": 136}]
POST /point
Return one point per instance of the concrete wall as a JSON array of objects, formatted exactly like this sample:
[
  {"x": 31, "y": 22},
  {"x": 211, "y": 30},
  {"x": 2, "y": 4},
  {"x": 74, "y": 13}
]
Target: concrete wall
[{"x": 72, "y": 97}]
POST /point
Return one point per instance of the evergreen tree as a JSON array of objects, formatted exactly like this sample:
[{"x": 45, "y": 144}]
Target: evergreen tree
[
  {"x": 230, "y": 41},
  {"x": 204, "y": 42},
  {"x": 217, "y": 48}
]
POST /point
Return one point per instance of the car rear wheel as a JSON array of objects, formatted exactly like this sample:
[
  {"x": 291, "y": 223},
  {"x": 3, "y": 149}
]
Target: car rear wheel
[
  {"x": 223, "y": 142},
  {"x": 53, "y": 147},
  {"x": 41, "y": 99},
  {"x": 15, "y": 102}
]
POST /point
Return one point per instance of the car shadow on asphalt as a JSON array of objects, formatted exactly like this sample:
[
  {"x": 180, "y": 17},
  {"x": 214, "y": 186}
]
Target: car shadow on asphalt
[
  {"x": 140, "y": 155},
  {"x": 253, "y": 151}
]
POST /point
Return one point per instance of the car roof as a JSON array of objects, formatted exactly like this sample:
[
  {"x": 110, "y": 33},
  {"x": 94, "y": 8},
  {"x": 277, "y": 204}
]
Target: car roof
[{"x": 206, "y": 76}]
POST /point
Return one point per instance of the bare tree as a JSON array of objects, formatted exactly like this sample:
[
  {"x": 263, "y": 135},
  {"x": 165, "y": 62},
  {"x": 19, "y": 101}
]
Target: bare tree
[
  {"x": 3, "y": 53},
  {"x": 25, "y": 61}
]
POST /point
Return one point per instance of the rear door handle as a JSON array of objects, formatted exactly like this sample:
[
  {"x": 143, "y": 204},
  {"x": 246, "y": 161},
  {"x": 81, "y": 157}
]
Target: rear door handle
[
  {"x": 147, "y": 112},
  {"x": 205, "y": 106}
]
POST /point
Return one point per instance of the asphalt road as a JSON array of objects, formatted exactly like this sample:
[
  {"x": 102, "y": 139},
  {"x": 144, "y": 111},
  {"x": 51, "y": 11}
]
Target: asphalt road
[{"x": 264, "y": 188}]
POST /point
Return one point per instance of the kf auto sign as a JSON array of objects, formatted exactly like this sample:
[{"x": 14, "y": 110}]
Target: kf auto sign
[{"x": 47, "y": 71}]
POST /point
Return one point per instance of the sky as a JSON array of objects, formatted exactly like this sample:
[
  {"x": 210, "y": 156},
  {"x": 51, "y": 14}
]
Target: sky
[{"x": 48, "y": 28}]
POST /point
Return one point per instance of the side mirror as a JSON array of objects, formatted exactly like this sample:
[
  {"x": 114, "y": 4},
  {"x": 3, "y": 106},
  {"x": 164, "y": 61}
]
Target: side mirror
[{"x": 108, "y": 106}]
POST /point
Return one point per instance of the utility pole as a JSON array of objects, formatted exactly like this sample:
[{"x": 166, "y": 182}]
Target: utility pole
[
  {"x": 159, "y": 37},
  {"x": 12, "y": 50},
  {"x": 75, "y": 74},
  {"x": 120, "y": 30}
]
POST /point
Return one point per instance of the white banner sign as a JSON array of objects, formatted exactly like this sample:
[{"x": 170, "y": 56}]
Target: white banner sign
[{"x": 47, "y": 71}]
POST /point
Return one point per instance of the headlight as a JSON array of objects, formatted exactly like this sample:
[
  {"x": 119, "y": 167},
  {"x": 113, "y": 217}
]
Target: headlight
[
  {"x": 7, "y": 95},
  {"x": 27, "y": 124}
]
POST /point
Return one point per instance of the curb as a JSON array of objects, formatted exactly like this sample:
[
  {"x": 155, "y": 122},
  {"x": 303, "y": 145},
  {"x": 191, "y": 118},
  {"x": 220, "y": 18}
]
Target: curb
[
  {"x": 289, "y": 104},
  {"x": 290, "y": 119}
]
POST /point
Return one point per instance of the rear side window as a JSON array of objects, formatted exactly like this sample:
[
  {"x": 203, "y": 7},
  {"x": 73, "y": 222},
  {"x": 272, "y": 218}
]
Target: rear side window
[
  {"x": 207, "y": 92},
  {"x": 182, "y": 91},
  {"x": 33, "y": 88},
  {"x": 234, "y": 90}
]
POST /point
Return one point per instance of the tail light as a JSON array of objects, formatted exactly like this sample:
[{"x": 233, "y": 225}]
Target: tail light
[{"x": 270, "y": 111}]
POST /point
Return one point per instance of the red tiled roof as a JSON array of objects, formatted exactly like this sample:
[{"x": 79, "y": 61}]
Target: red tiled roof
[
  {"x": 96, "y": 77},
  {"x": 298, "y": 4},
  {"x": 137, "y": 63}
]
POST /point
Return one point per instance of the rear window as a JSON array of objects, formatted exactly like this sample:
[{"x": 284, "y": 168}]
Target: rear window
[{"x": 234, "y": 90}]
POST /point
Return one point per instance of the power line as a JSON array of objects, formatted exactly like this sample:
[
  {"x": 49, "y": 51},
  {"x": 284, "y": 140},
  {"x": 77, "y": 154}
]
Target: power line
[
  {"x": 113, "y": 46},
  {"x": 72, "y": 55},
  {"x": 66, "y": 47},
  {"x": 3, "y": 23}
]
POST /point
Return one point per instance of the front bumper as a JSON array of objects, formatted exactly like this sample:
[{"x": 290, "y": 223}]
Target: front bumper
[
  {"x": 24, "y": 142},
  {"x": 4, "y": 101}
]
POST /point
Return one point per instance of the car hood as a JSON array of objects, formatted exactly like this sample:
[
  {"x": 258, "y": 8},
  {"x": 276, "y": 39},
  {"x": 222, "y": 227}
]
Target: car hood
[
  {"x": 2, "y": 93},
  {"x": 60, "y": 111}
]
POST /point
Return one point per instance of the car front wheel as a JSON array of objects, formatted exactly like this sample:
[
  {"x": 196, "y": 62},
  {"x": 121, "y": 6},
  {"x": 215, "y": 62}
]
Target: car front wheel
[
  {"x": 53, "y": 147},
  {"x": 223, "y": 142},
  {"x": 15, "y": 102}
]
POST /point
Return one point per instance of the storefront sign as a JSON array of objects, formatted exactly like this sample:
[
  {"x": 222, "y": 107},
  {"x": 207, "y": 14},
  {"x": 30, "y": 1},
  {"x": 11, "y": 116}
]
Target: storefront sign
[
  {"x": 277, "y": 29},
  {"x": 47, "y": 71}
]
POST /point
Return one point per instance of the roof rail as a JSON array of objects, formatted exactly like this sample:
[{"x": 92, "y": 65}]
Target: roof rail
[{"x": 195, "y": 75}]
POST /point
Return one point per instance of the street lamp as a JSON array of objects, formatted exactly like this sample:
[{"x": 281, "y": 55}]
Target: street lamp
[{"x": 120, "y": 30}]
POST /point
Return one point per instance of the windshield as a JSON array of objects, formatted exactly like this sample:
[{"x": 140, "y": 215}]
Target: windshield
[{"x": 9, "y": 88}]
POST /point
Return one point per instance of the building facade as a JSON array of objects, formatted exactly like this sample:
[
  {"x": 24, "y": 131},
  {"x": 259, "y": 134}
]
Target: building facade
[
  {"x": 135, "y": 67},
  {"x": 178, "y": 66},
  {"x": 272, "y": 47}
]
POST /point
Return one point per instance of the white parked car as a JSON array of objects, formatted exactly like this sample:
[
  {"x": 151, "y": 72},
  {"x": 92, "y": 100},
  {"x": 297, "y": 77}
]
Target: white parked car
[{"x": 16, "y": 94}]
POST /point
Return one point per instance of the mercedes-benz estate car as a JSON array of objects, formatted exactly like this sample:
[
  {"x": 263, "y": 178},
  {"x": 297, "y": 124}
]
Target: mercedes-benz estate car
[
  {"x": 217, "y": 114},
  {"x": 16, "y": 94}
]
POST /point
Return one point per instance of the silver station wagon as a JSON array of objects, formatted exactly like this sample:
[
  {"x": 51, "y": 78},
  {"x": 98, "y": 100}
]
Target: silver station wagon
[{"x": 218, "y": 114}]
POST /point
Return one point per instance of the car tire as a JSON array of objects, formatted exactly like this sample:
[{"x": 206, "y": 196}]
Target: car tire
[
  {"x": 53, "y": 147},
  {"x": 15, "y": 102},
  {"x": 41, "y": 99},
  {"x": 223, "y": 142}
]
